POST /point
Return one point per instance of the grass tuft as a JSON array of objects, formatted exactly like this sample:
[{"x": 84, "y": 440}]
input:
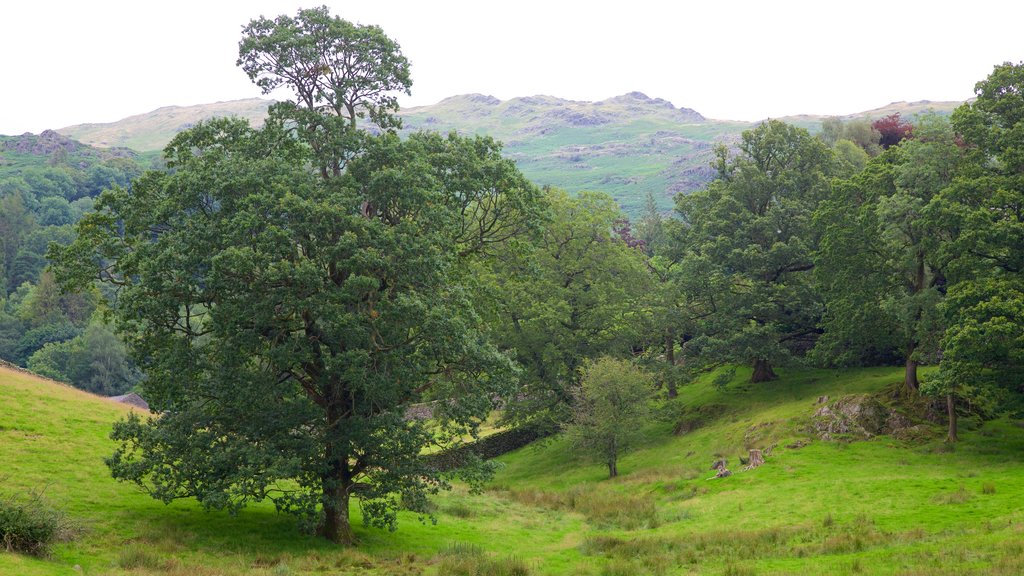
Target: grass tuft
[
  {"x": 959, "y": 496},
  {"x": 136, "y": 556},
  {"x": 463, "y": 559},
  {"x": 603, "y": 507}
]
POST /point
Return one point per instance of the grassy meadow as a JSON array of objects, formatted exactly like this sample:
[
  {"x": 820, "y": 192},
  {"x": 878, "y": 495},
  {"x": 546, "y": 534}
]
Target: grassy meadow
[{"x": 880, "y": 506}]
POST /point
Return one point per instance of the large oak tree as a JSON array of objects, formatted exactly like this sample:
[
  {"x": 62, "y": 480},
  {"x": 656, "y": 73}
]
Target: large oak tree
[
  {"x": 289, "y": 291},
  {"x": 748, "y": 239}
]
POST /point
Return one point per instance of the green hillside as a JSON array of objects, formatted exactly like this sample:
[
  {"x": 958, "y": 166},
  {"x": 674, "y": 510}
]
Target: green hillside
[
  {"x": 153, "y": 130},
  {"x": 627, "y": 146},
  {"x": 881, "y": 506}
]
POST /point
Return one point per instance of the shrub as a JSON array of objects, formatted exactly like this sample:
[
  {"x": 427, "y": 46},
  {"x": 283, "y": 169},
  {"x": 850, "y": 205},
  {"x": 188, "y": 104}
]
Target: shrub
[{"x": 30, "y": 525}]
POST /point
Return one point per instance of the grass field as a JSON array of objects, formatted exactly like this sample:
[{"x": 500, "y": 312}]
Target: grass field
[{"x": 873, "y": 507}]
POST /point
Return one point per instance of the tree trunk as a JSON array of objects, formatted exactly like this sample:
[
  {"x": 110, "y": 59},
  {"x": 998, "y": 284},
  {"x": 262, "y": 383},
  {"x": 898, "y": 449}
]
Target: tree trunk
[
  {"x": 762, "y": 371},
  {"x": 951, "y": 413},
  {"x": 670, "y": 357},
  {"x": 336, "y": 483},
  {"x": 613, "y": 457},
  {"x": 336, "y": 526},
  {"x": 756, "y": 459},
  {"x": 910, "y": 382}
]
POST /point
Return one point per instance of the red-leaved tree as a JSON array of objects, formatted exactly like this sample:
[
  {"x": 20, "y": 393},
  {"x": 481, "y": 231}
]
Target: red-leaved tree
[{"x": 893, "y": 130}]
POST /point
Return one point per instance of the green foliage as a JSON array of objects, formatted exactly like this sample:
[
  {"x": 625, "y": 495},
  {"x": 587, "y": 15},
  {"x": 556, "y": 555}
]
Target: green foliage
[
  {"x": 95, "y": 361},
  {"x": 863, "y": 134},
  {"x": 611, "y": 404},
  {"x": 31, "y": 525},
  {"x": 571, "y": 293},
  {"x": 356, "y": 71},
  {"x": 983, "y": 251},
  {"x": 35, "y": 338},
  {"x": 286, "y": 317},
  {"x": 850, "y": 159},
  {"x": 877, "y": 264},
  {"x": 744, "y": 247},
  {"x": 651, "y": 226}
]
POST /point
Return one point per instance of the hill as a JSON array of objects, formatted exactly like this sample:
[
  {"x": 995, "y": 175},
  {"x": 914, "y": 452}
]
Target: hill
[
  {"x": 627, "y": 146},
  {"x": 53, "y": 148},
  {"x": 880, "y": 506},
  {"x": 153, "y": 130}
]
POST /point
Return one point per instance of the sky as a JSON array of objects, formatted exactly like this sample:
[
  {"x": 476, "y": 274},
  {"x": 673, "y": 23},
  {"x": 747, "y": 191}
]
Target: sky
[{"x": 72, "y": 62}]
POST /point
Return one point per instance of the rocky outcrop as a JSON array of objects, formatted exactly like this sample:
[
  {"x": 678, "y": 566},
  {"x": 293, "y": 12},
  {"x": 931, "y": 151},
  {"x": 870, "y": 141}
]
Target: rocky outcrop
[
  {"x": 862, "y": 416},
  {"x": 45, "y": 144},
  {"x": 50, "y": 143}
]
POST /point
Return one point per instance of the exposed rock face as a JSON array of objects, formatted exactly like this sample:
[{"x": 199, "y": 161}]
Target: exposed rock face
[
  {"x": 44, "y": 144},
  {"x": 49, "y": 143},
  {"x": 862, "y": 416}
]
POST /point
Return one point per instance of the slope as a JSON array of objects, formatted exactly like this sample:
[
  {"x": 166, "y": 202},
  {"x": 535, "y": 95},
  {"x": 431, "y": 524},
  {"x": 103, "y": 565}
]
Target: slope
[
  {"x": 873, "y": 507},
  {"x": 153, "y": 130}
]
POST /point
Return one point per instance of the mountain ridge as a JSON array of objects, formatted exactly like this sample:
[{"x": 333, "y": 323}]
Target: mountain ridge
[{"x": 628, "y": 145}]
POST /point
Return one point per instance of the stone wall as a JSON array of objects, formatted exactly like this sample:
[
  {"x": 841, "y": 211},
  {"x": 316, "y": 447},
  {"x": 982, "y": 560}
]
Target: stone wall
[{"x": 487, "y": 447}]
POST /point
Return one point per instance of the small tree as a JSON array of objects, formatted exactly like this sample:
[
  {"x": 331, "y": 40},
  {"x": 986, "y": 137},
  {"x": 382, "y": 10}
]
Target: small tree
[{"x": 611, "y": 403}]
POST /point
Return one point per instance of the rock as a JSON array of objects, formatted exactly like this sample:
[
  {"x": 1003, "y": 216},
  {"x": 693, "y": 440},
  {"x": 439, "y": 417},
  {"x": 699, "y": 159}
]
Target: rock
[
  {"x": 858, "y": 416},
  {"x": 915, "y": 433},
  {"x": 896, "y": 421},
  {"x": 798, "y": 444}
]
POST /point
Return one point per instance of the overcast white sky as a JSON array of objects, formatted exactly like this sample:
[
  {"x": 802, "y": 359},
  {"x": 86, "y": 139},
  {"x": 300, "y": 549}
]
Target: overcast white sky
[{"x": 70, "y": 62}]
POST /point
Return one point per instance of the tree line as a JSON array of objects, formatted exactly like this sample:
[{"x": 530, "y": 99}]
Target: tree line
[
  {"x": 42, "y": 196},
  {"x": 288, "y": 291}
]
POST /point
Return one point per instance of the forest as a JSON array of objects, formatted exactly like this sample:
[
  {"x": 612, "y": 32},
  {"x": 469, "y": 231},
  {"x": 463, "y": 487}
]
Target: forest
[{"x": 282, "y": 295}]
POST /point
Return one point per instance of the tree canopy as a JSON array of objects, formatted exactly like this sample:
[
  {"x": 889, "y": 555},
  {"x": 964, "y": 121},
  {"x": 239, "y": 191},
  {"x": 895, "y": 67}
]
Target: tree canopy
[
  {"x": 983, "y": 253},
  {"x": 286, "y": 317},
  {"x": 749, "y": 238}
]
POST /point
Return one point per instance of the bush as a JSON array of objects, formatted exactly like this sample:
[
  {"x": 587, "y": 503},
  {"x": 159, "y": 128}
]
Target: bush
[{"x": 30, "y": 525}]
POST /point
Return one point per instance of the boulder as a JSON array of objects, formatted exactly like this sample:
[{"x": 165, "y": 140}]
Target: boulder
[{"x": 857, "y": 416}]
